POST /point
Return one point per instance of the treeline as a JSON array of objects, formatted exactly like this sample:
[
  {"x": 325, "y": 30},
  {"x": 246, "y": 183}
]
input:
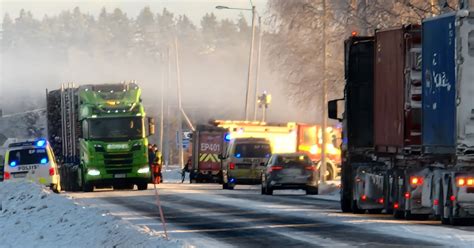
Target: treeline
[{"x": 115, "y": 33}]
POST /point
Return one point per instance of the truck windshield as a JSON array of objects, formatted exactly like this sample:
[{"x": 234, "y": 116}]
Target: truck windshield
[
  {"x": 116, "y": 128},
  {"x": 252, "y": 151},
  {"x": 28, "y": 156}
]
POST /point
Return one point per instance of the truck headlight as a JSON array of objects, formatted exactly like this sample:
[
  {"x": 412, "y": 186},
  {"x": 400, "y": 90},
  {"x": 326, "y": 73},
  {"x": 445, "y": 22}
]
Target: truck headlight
[
  {"x": 144, "y": 170},
  {"x": 93, "y": 172}
]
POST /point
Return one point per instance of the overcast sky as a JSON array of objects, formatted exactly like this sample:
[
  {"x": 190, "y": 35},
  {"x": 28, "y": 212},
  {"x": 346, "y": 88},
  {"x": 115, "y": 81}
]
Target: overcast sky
[{"x": 195, "y": 9}]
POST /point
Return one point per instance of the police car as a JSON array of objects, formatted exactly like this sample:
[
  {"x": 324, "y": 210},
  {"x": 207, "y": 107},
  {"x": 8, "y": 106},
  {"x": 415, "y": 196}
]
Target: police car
[{"x": 33, "y": 161}]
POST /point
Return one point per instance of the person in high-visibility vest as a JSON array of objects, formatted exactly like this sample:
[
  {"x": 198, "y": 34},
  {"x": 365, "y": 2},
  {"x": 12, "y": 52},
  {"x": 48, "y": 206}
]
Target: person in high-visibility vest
[{"x": 157, "y": 166}]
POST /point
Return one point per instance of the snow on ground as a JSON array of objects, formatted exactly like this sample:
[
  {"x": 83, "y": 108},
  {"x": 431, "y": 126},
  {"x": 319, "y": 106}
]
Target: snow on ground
[
  {"x": 172, "y": 174},
  {"x": 33, "y": 216}
]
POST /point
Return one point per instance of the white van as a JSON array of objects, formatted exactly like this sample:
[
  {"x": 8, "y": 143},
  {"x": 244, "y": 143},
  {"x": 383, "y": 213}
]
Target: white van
[{"x": 33, "y": 161}]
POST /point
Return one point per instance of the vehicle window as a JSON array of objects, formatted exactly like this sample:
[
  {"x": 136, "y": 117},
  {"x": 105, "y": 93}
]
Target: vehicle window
[
  {"x": 113, "y": 128},
  {"x": 471, "y": 43},
  {"x": 252, "y": 151},
  {"x": 302, "y": 160},
  {"x": 271, "y": 161},
  {"x": 28, "y": 156}
]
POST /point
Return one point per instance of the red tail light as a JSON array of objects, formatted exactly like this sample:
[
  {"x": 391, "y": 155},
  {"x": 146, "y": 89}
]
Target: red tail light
[
  {"x": 51, "y": 171},
  {"x": 381, "y": 201},
  {"x": 231, "y": 166},
  {"x": 436, "y": 202},
  {"x": 6, "y": 176},
  {"x": 363, "y": 198},
  {"x": 452, "y": 198},
  {"x": 276, "y": 168},
  {"x": 396, "y": 205},
  {"x": 407, "y": 195},
  {"x": 310, "y": 168},
  {"x": 416, "y": 181}
]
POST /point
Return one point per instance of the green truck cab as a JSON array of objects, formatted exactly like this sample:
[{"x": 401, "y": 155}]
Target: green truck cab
[{"x": 99, "y": 133}]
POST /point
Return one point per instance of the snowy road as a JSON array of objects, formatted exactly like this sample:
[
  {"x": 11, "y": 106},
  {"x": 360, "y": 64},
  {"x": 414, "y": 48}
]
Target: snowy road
[{"x": 204, "y": 215}]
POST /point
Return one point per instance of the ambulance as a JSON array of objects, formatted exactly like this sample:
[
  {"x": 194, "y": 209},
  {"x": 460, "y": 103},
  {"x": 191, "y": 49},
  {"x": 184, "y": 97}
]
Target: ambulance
[{"x": 32, "y": 161}]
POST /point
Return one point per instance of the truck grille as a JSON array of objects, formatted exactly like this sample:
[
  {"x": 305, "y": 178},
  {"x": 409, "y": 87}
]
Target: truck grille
[
  {"x": 112, "y": 159},
  {"x": 119, "y": 171}
]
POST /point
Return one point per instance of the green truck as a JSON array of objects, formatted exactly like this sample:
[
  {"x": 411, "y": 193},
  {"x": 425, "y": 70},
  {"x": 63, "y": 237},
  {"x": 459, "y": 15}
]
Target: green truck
[{"x": 99, "y": 135}]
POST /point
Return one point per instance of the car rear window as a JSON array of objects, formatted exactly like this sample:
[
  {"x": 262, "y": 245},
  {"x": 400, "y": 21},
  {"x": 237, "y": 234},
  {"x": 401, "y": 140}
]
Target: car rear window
[
  {"x": 294, "y": 160},
  {"x": 28, "y": 156},
  {"x": 252, "y": 151}
]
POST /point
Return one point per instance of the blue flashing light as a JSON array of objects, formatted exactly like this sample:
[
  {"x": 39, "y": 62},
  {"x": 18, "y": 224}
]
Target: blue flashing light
[
  {"x": 41, "y": 143},
  {"x": 238, "y": 155},
  {"x": 228, "y": 137},
  {"x": 232, "y": 180},
  {"x": 13, "y": 163},
  {"x": 44, "y": 161}
]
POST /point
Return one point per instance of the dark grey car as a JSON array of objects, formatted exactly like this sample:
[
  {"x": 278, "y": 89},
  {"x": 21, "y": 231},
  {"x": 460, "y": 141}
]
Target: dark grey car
[{"x": 290, "y": 171}]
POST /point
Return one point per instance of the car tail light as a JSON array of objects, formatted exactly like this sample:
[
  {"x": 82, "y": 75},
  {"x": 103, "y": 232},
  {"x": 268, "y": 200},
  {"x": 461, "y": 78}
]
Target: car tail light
[
  {"x": 363, "y": 197},
  {"x": 462, "y": 181},
  {"x": 231, "y": 166},
  {"x": 416, "y": 181},
  {"x": 396, "y": 205},
  {"x": 51, "y": 171},
  {"x": 310, "y": 168},
  {"x": 436, "y": 202},
  {"x": 452, "y": 198},
  {"x": 381, "y": 201},
  {"x": 6, "y": 176},
  {"x": 407, "y": 195},
  {"x": 276, "y": 168}
]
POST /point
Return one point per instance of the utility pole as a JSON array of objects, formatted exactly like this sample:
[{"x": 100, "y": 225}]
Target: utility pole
[
  {"x": 257, "y": 71},
  {"x": 247, "y": 96},
  {"x": 180, "y": 107},
  {"x": 168, "y": 125},
  {"x": 324, "y": 98},
  {"x": 162, "y": 95}
]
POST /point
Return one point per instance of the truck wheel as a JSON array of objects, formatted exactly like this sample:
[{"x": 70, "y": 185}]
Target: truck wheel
[
  {"x": 142, "y": 186},
  {"x": 264, "y": 190},
  {"x": 345, "y": 205},
  {"x": 87, "y": 187},
  {"x": 269, "y": 191}
]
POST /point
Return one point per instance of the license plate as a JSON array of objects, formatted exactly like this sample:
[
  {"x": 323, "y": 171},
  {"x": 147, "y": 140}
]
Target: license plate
[
  {"x": 120, "y": 175},
  {"x": 19, "y": 175}
]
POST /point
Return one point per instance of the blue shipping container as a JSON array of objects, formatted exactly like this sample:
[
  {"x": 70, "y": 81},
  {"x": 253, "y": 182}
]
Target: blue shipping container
[{"x": 439, "y": 85}]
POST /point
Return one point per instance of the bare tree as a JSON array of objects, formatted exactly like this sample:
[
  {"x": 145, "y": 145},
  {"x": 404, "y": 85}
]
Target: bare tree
[{"x": 296, "y": 40}]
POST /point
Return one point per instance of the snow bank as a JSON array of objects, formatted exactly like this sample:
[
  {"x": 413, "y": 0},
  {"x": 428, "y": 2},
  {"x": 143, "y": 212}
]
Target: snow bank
[{"x": 33, "y": 216}]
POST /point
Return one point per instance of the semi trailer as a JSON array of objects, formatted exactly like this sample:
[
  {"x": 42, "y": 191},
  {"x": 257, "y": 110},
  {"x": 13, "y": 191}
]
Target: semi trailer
[{"x": 408, "y": 136}]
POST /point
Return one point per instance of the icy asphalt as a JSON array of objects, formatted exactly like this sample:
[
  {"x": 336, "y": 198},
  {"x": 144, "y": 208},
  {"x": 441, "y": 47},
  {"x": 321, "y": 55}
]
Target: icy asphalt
[{"x": 204, "y": 215}]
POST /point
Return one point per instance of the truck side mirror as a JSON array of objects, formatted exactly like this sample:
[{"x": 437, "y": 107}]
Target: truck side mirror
[
  {"x": 151, "y": 126},
  {"x": 332, "y": 109}
]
